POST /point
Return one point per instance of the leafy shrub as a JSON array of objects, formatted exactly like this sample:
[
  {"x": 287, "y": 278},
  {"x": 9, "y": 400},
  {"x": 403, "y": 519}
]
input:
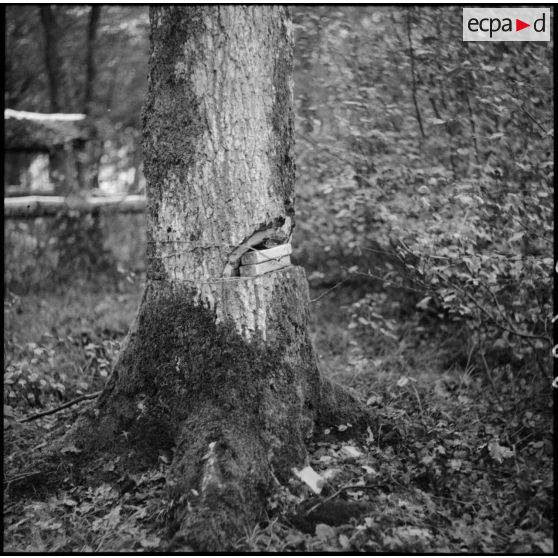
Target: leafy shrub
[{"x": 425, "y": 165}]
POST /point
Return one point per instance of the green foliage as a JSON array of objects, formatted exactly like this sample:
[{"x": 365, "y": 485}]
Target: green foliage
[
  {"x": 425, "y": 163},
  {"x": 455, "y": 462},
  {"x": 56, "y": 352},
  {"x": 426, "y": 181},
  {"x": 92, "y": 519}
]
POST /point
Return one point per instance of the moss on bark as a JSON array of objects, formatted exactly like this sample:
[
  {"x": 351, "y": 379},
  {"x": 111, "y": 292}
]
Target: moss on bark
[
  {"x": 221, "y": 371},
  {"x": 236, "y": 412}
]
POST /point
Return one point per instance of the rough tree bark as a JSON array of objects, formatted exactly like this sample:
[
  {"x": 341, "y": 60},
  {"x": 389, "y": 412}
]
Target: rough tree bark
[{"x": 218, "y": 368}]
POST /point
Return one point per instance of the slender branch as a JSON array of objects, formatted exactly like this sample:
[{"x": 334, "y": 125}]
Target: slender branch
[
  {"x": 388, "y": 282},
  {"x": 413, "y": 78},
  {"x": 473, "y": 127},
  {"x": 510, "y": 328},
  {"x": 90, "y": 68},
  {"x": 337, "y": 492},
  {"x": 488, "y": 314},
  {"x": 328, "y": 290},
  {"x": 522, "y": 107},
  {"x": 490, "y": 378},
  {"x": 508, "y": 321},
  {"x": 56, "y": 409},
  {"x": 51, "y": 60},
  {"x": 21, "y": 476},
  {"x": 472, "y": 124}
]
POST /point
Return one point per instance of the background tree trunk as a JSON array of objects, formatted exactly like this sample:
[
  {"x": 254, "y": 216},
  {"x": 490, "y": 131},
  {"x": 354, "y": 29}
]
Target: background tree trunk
[
  {"x": 52, "y": 61},
  {"x": 89, "y": 159},
  {"x": 217, "y": 367},
  {"x": 94, "y": 15},
  {"x": 61, "y": 160}
]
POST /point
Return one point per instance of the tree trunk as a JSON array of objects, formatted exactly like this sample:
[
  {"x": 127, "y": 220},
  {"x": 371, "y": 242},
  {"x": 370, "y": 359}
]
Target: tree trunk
[
  {"x": 52, "y": 61},
  {"x": 89, "y": 158},
  {"x": 62, "y": 167},
  {"x": 94, "y": 14},
  {"x": 218, "y": 368}
]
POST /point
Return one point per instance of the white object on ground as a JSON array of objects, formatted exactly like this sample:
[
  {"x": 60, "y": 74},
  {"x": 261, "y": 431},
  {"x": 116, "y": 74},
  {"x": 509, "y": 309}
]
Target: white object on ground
[
  {"x": 311, "y": 478},
  {"x": 351, "y": 451}
]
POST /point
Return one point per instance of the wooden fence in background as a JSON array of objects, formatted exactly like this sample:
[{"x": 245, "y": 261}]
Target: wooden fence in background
[{"x": 31, "y": 207}]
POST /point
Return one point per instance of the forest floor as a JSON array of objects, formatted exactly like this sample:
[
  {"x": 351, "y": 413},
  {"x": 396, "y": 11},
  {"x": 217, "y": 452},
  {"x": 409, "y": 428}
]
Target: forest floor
[{"x": 466, "y": 465}]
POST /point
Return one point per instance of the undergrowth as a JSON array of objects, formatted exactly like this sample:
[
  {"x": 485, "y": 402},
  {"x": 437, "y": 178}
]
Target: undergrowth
[{"x": 459, "y": 460}]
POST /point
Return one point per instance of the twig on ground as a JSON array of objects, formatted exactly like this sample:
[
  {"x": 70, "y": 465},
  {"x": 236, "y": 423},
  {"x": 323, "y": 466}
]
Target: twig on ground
[
  {"x": 56, "y": 409},
  {"x": 22, "y": 476},
  {"x": 87, "y": 365},
  {"x": 419, "y": 404},
  {"x": 470, "y": 503},
  {"x": 540, "y": 126},
  {"x": 337, "y": 492}
]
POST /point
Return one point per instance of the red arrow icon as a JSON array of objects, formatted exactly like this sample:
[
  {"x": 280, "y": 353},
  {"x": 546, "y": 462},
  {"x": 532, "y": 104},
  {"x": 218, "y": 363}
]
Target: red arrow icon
[{"x": 519, "y": 25}]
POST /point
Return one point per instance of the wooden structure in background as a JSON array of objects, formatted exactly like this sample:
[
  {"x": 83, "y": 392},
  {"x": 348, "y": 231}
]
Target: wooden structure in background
[
  {"x": 44, "y": 151},
  {"x": 30, "y": 207}
]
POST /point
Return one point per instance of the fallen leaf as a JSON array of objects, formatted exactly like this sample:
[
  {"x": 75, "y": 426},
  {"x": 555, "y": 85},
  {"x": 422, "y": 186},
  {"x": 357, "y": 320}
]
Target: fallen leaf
[
  {"x": 351, "y": 452},
  {"x": 402, "y": 381},
  {"x": 498, "y": 452},
  {"x": 110, "y": 520},
  {"x": 427, "y": 459},
  {"x": 344, "y": 542},
  {"x": 412, "y": 533},
  {"x": 455, "y": 464},
  {"x": 330, "y": 473},
  {"x": 70, "y": 449},
  {"x": 150, "y": 542},
  {"x": 325, "y": 533},
  {"x": 85, "y": 507},
  {"x": 545, "y": 545},
  {"x": 294, "y": 539},
  {"x": 374, "y": 400}
]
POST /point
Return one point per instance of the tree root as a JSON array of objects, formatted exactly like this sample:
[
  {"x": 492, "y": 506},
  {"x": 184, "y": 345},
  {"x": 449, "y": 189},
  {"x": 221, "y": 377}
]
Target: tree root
[
  {"x": 235, "y": 407},
  {"x": 341, "y": 405}
]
